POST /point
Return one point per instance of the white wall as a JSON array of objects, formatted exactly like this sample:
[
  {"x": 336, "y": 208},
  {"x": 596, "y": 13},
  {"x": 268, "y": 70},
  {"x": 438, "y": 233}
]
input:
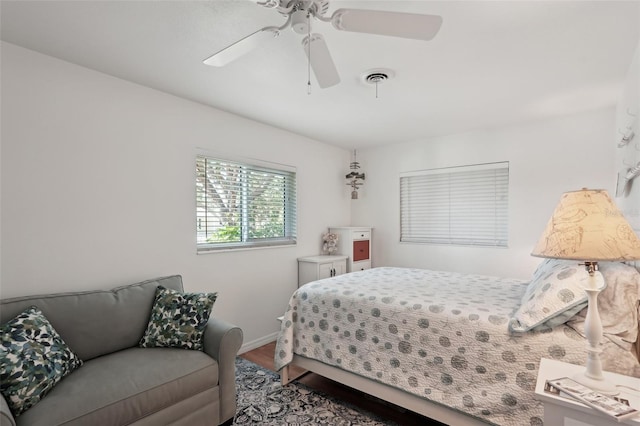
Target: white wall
[
  {"x": 546, "y": 159},
  {"x": 628, "y": 116},
  {"x": 98, "y": 190}
]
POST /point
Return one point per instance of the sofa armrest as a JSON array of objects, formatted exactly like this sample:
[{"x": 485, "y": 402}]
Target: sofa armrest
[
  {"x": 222, "y": 341},
  {"x": 6, "y": 418}
]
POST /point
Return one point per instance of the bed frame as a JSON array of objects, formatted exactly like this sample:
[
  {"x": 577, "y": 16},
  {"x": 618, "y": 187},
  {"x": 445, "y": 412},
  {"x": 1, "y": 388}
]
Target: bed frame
[
  {"x": 387, "y": 393},
  {"x": 393, "y": 395}
]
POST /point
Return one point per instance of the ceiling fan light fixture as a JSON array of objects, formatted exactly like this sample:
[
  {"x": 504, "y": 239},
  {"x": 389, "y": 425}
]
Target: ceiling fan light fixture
[{"x": 300, "y": 21}]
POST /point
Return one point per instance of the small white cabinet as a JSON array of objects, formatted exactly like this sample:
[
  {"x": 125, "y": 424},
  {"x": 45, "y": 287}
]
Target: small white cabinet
[
  {"x": 355, "y": 242},
  {"x": 312, "y": 268}
]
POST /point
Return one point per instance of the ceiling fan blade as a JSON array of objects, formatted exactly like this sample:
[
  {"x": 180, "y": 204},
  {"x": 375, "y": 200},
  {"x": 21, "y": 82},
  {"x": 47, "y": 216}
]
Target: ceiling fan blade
[
  {"x": 321, "y": 61},
  {"x": 242, "y": 47},
  {"x": 396, "y": 24}
]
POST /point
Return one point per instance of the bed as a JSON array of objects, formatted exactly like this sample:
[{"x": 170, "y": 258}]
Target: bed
[{"x": 460, "y": 349}]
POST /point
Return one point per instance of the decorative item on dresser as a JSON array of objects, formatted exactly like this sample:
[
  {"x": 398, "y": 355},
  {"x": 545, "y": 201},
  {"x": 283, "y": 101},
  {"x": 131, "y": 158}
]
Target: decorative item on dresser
[
  {"x": 355, "y": 242},
  {"x": 587, "y": 226},
  {"x": 312, "y": 268},
  {"x": 329, "y": 243}
]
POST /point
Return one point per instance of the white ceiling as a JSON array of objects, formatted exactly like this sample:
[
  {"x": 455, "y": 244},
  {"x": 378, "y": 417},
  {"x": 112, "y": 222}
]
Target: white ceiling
[{"x": 493, "y": 63}]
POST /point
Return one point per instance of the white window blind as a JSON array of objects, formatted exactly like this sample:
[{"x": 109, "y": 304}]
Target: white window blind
[
  {"x": 241, "y": 205},
  {"x": 465, "y": 205}
]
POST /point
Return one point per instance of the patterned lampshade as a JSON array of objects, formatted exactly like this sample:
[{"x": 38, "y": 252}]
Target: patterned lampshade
[{"x": 588, "y": 226}]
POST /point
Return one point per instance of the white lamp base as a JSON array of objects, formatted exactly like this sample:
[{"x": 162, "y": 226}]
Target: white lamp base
[
  {"x": 592, "y": 377},
  {"x": 598, "y": 385}
]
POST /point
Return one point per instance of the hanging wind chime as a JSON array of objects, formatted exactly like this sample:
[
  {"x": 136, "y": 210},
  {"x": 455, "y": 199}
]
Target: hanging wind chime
[{"x": 355, "y": 179}]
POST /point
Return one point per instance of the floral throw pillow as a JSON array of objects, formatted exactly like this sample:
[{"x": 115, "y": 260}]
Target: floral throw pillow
[
  {"x": 178, "y": 319},
  {"x": 554, "y": 295},
  {"x": 33, "y": 359}
]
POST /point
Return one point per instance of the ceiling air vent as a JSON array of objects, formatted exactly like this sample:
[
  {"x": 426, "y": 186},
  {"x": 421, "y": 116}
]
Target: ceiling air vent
[{"x": 377, "y": 76}]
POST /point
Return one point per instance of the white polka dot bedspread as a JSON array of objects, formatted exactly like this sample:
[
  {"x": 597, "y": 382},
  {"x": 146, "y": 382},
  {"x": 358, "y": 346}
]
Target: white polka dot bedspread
[{"x": 440, "y": 335}]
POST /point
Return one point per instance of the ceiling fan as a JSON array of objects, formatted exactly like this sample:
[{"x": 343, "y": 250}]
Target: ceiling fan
[{"x": 299, "y": 14}]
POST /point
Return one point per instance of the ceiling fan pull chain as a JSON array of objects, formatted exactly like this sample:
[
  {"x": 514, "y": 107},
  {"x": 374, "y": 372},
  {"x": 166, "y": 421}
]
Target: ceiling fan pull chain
[{"x": 309, "y": 53}]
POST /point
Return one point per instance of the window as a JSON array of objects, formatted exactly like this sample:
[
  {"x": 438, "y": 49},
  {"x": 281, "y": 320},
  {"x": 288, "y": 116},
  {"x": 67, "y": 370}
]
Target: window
[
  {"x": 240, "y": 205},
  {"x": 465, "y": 205}
]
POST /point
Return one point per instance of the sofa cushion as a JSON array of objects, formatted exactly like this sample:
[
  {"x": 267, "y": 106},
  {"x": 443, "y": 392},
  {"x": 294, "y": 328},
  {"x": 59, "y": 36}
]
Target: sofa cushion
[
  {"x": 33, "y": 359},
  {"x": 178, "y": 319},
  {"x": 125, "y": 386},
  {"x": 96, "y": 323}
]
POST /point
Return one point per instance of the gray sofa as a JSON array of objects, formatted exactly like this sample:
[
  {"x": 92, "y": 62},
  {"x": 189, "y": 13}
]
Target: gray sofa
[{"x": 121, "y": 383}]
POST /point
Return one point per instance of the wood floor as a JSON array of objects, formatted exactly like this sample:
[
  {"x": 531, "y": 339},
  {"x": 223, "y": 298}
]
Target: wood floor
[{"x": 263, "y": 356}]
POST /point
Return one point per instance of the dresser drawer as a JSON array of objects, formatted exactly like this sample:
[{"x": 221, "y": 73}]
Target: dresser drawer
[
  {"x": 361, "y": 266},
  {"x": 360, "y": 250},
  {"x": 361, "y": 235}
]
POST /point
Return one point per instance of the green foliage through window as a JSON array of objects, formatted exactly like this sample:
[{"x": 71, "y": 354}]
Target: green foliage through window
[{"x": 240, "y": 205}]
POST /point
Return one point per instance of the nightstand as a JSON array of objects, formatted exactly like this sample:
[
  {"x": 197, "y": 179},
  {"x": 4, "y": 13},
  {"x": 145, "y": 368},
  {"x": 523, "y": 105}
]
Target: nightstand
[
  {"x": 312, "y": 268},
  {"x": 561, "y": 411}
]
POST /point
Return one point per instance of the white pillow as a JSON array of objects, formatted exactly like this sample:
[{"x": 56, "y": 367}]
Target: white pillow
[
  {"x": 617, "y": 304},
  {"x": 554, "y": 295}
]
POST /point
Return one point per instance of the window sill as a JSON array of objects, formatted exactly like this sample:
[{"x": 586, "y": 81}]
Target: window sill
[{"x": 245, "y": 247}]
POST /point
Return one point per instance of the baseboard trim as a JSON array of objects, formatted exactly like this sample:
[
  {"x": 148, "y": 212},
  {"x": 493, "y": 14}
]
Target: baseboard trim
[{"x": 248, "y": 346}]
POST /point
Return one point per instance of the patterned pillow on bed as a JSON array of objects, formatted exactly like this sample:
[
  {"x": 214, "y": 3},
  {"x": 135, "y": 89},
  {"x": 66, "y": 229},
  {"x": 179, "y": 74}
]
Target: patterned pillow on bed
[{"x": 554, "y": 295}]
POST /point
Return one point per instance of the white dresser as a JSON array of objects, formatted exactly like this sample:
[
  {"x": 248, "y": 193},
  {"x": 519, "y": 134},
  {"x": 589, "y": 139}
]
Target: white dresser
[{"x": 355, "y": 242}]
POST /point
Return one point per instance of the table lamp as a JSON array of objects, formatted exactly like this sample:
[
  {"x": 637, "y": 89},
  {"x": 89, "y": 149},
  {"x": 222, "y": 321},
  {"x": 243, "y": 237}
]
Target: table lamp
[{"x": 587, "y": 226}]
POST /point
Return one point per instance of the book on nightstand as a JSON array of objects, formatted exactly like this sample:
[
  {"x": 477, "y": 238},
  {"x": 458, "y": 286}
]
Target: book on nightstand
[{"x": 616, "y": 408}]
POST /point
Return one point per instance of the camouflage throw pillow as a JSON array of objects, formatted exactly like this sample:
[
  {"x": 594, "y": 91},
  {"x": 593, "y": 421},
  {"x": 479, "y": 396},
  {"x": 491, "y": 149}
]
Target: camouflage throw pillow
[
  {"x": 178, "y": 319},
  {"x": 33, "y": 359}
]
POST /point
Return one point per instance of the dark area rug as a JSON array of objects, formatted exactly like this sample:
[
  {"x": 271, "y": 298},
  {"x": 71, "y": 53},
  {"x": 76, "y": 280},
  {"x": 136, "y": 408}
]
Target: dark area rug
[{"x": 262, "y": 400}]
